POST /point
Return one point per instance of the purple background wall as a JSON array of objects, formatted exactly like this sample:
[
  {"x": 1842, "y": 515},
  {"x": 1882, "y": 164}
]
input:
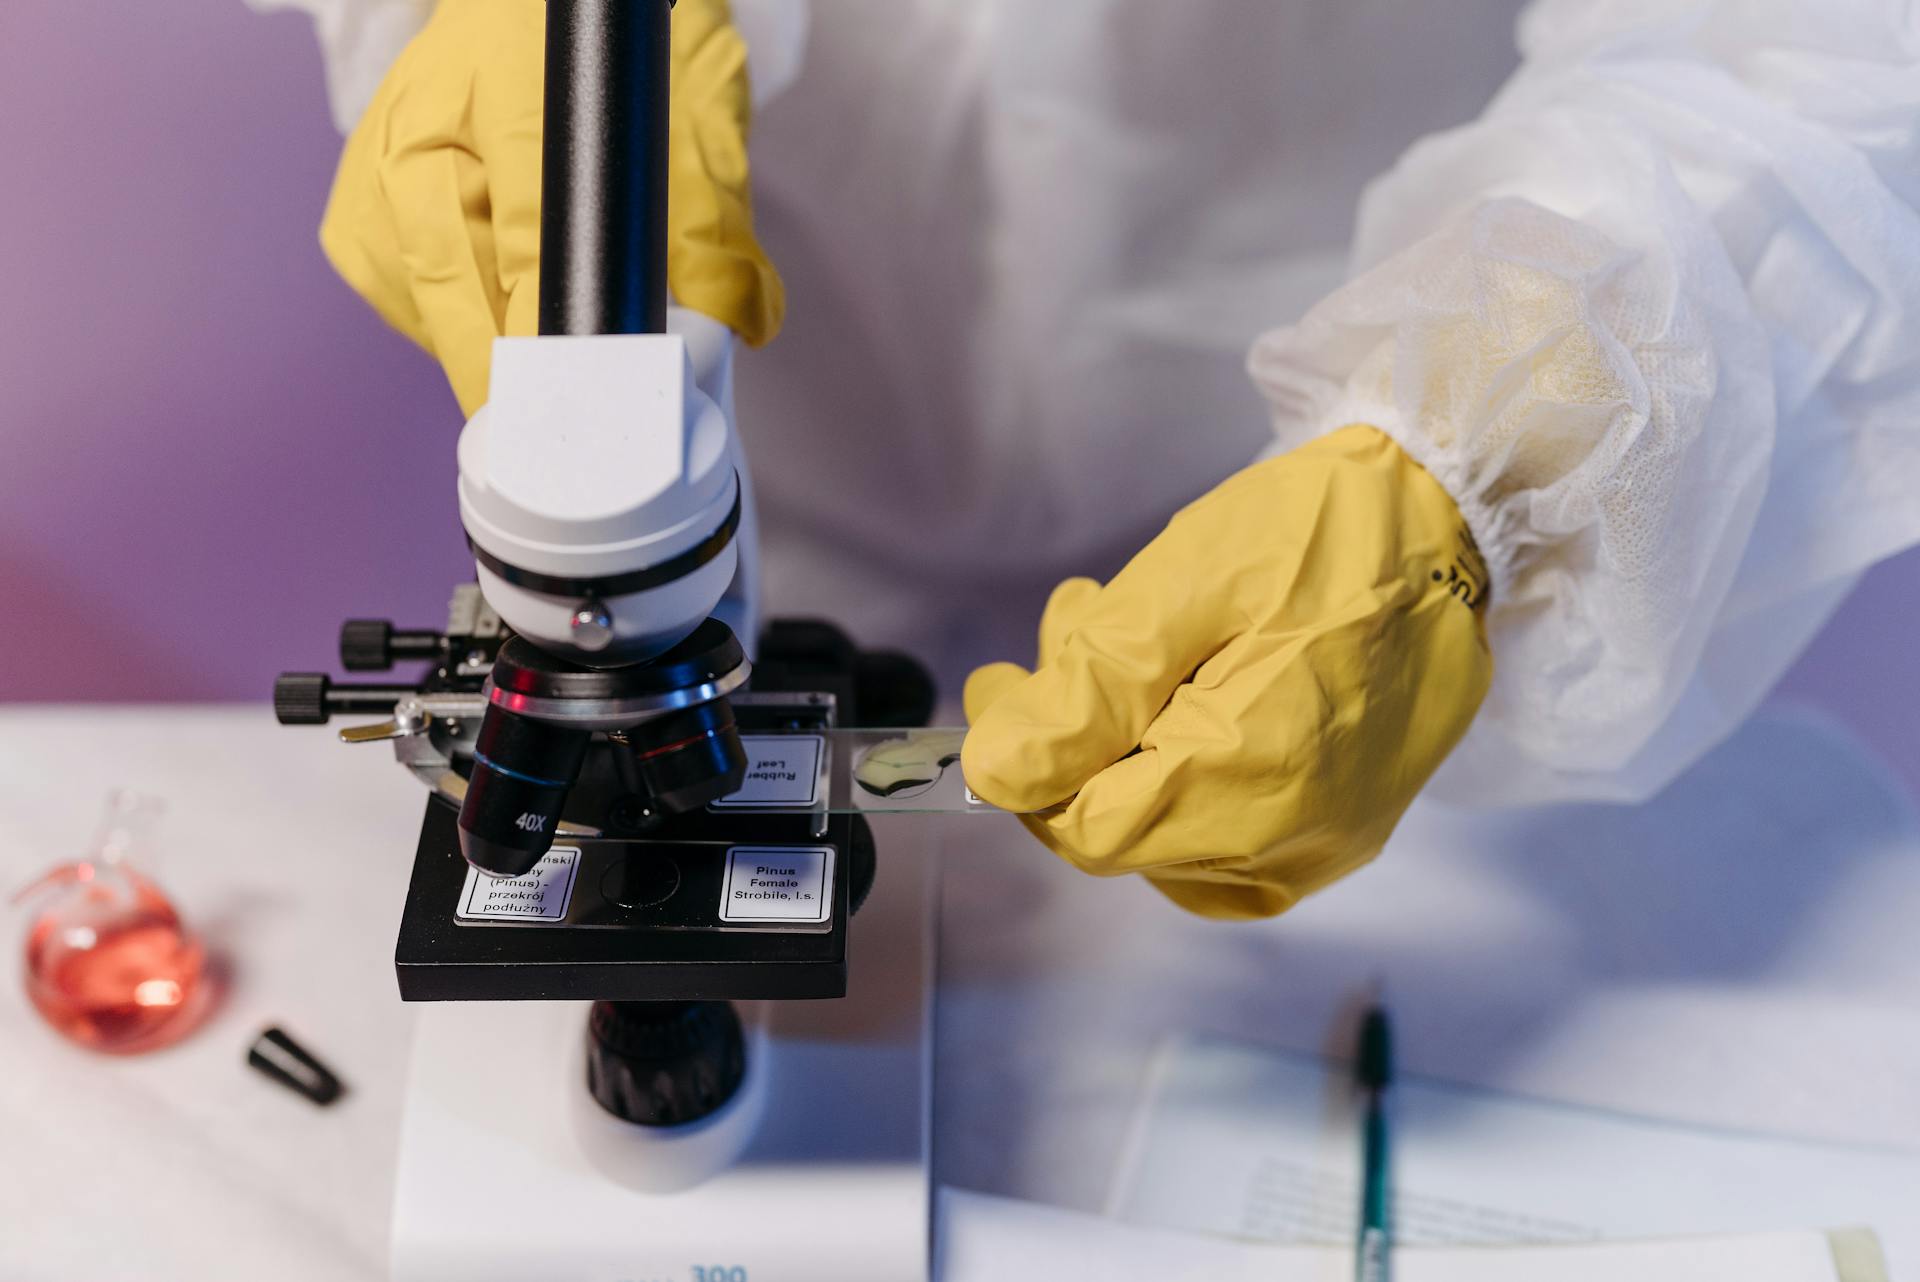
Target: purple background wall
[{"x": 211, "y": 452}]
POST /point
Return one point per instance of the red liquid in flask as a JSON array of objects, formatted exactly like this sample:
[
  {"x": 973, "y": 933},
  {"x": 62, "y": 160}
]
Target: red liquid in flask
[{"x": 109, "y": 963}]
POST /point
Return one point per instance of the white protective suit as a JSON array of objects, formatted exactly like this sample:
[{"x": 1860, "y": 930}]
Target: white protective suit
[{"x": 1653, "y": 317}]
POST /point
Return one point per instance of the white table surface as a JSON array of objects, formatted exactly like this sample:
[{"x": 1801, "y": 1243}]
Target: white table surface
[{"x": 1738, "y": 953}]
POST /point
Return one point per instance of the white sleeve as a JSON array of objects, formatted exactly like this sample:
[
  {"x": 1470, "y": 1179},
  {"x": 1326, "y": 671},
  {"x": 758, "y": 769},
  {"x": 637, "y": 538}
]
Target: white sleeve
[
  {"x": 359, "y": 39},
  {"x": 775, "y": 32},
  {"x": 1654, "y": 320}
]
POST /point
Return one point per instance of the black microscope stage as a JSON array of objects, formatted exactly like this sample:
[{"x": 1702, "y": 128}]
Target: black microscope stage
[
  {"x": 721, "y": 904},
  {"x": 626, "y": 920},
  {"x": 746, "y": 898}
]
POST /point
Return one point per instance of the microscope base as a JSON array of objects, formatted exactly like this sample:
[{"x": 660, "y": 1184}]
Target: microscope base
[{"x": 504, "y": 1175}]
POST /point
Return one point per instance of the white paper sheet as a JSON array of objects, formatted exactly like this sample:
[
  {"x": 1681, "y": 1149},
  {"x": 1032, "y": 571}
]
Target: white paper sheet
[
  {"x": 1247, "y": 1141},
  {"x": 989, "y": 1239}
]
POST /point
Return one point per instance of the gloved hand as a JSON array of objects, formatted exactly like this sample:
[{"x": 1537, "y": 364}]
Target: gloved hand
[
  {"x": 435, "y": 212},
  {"x": 1245, "y": 711}
]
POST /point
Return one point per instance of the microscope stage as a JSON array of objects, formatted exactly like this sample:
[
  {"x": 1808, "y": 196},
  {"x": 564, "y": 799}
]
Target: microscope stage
[{"x": 729, "y": 907}]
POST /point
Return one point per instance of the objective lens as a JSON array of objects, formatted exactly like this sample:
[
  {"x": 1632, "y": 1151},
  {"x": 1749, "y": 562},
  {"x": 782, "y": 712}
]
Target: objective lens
[
  {"x": 683, "y": 760},
  {"x": 522, "y": 772},
  {"x": 526, "y": 761}
]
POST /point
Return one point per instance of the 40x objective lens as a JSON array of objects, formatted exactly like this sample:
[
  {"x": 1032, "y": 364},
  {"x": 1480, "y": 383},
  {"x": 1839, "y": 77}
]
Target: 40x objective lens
[{"x": 522, "y": 772}]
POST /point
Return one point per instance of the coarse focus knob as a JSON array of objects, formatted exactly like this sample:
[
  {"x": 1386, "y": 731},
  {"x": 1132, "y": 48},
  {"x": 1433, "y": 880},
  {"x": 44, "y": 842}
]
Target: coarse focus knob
[
  {"x": 664, "y": 1063},
  {"x": 366, "y": 645},
  {"x": 300, "y": 698}
]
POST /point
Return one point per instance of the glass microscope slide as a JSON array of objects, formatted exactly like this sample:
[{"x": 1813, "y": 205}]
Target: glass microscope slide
[
  {"x": 865, "y": 771},
  {"x": 905, "y": 772}
]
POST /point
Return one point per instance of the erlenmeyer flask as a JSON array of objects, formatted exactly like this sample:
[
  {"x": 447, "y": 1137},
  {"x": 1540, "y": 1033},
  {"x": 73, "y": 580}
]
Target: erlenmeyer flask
[{"x": 108, "y": 962}]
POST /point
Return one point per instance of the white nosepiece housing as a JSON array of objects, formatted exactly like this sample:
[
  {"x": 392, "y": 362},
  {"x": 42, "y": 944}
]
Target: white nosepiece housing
[{"x": 598, "y": 486}]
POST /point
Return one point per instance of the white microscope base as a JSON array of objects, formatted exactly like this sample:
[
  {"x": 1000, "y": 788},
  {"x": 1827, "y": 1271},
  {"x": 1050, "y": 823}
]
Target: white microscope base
[{"x": 494, "y": 1182}]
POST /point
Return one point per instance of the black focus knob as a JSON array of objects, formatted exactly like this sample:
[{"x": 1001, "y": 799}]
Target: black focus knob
[
  {"x": 664, "y": 1063},
  {"x": 300, "y": 698},
  {"x": 374, "y": 645},
  {"x": 366, "y": 645}
]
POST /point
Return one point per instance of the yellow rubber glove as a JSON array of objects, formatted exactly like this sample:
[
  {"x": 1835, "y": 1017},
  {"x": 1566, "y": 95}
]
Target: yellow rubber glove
[
  {"x": 435, "y": 212},
  {"x": 1245, "y": 711}
]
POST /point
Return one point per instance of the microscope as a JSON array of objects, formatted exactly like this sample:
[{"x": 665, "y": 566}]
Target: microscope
[{"x": 634, "y": 894}]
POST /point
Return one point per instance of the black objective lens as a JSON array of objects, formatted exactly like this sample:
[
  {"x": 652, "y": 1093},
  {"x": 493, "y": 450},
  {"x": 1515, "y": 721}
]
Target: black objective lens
[
  {"x": 682, "y": 760},
  {"x": 674, "y": 761},
  {"x": 522, "y": 771}
]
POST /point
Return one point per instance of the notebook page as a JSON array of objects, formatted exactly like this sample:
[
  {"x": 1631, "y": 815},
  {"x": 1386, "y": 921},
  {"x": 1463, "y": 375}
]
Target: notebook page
[
  {"x": 1244, "y": 1141},
  {"x": 989, "y": 1239}
]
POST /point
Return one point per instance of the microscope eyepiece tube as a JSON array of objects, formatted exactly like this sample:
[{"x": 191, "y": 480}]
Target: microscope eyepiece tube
[
  {"x": 522, "y": 772},
  {"x": 603, "y": 223}
]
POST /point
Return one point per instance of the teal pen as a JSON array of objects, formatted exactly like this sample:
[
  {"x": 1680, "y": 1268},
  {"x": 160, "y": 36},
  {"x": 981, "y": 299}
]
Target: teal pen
[{"x": 1373, "y": 1072}]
